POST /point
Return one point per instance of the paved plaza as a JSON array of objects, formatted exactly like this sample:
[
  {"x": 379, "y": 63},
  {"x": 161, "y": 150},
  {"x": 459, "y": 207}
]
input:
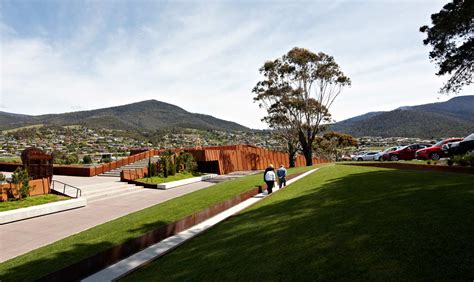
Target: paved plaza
[{"x": 23, "y": 236}]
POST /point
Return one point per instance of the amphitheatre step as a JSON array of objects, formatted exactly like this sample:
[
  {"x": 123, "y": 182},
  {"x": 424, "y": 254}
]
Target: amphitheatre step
[
  {"x": 87, "y": 193},
  {"x": 122, "y": 194},
  {"x": 101, "y": 185},
  {"x": 113, "y": 193},
  {"x": 140, "y": 164}
]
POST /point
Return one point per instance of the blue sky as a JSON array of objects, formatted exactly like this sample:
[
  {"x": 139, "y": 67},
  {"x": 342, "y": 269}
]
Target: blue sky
[{"x": 60, "y": 56}]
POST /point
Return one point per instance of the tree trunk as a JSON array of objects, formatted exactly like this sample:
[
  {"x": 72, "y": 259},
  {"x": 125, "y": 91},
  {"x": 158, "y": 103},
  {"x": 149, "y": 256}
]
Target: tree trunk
[
  {"x": 291, "y": 153},
  {"x": 308, "y": 155},
  {"x": 306, "y": 146}
]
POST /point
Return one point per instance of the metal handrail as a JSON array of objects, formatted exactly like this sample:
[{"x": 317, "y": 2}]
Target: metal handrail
[{"x": 78, "y": 191}]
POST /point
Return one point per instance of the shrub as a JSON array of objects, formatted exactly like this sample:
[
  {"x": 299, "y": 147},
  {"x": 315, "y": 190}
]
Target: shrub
[
  {"x": 21, "y": 178},
  {"x": 107, "y": 160},
  {"x": 461, "y": 160},
  {"x": 152, "y": 168},
  {"x": 71, "y": 159},
  {"x": 470, "y": 159},
  {"x": 2, "y": 178},
  {"x": 87, "y": 159},
  {"x": 186, "y": 162},
  {"x": 167, "y": 163}
]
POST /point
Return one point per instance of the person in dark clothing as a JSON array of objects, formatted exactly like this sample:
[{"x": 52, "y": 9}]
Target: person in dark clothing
[
  {"x": 269, "y": 177},
  {"x": 281, "y": 173}
]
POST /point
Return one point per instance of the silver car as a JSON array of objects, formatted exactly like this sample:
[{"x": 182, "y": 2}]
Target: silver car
[
  {"x": 386, "y": 151},
  {"x": 369, "y": 156}
]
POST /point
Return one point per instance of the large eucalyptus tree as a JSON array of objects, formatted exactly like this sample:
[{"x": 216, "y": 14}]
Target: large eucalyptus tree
[{"x": 297, "y": 91}]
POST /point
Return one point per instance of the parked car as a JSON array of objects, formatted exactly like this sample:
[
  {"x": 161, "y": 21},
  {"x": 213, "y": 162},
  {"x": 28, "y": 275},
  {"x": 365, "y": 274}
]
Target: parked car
[
  {"x": 435, "y": 152},
  {"x": 404, "y": 153},
  {"x": 379, "y": 156},
  {"x": 460, "y": 148},
  {"x": 368, "y": 156}
]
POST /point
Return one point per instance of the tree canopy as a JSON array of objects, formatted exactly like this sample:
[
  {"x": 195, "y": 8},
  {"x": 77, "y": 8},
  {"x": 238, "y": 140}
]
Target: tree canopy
[
  {"x": 452, "y": 38},
  {"x": 334, "y": 145},
  {"x": 297, "y": 91}
]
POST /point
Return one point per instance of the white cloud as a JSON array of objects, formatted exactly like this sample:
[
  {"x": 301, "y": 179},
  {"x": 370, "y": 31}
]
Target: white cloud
[{"x": 205, "y": 58}]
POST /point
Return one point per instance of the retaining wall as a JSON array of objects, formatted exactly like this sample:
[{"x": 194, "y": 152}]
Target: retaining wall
[{"x": 38, "y": 187}]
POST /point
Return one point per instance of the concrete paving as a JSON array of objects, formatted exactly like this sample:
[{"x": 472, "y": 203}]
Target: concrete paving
[{"x": 24, "y": 236}]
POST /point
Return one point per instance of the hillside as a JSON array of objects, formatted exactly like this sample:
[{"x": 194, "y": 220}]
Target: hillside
[
  {"x": 145, "y": 115},
  {"x": 451, "y": 118}
]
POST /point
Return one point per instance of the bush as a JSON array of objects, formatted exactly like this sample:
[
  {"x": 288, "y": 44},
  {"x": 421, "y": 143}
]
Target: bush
[
  {"x": 167, "y": 163},
  {"x": 71, "y": 159},
  {"x": 21, "y": 178},
  {"x": 185, "y": 162},
  {"x": 2, "y": 178},
  {"x": 464, "y": 160},
  {"x": 87, "y": 159},
  {"x": 152, "y": 169},
  {"x": 107, "y": 160},
  {"x": 470, "y": 159}
]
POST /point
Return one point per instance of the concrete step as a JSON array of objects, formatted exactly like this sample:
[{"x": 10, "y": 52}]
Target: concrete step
[
  {"x": 106, "y": 189},
  {"x": 113, "y": 193},
  {"x": 122, "y": 194},
  {"x": 102, "y": 185},
  {"x": 140, "y": 164},
  {"x": 111, "y": 174}
]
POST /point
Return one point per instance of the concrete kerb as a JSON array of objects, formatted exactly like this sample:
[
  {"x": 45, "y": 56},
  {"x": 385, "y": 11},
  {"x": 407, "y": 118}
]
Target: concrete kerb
[
  {"x": 178, "y": 183},
  {"x": 128, "y": 265},
  {"x": 40, "y": 210}
]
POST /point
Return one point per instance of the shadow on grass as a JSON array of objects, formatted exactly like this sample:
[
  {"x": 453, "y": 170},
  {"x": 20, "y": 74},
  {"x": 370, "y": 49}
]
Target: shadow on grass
[
  {"x": 75, "y": 261},
  {"x": 366, "y": 225}
]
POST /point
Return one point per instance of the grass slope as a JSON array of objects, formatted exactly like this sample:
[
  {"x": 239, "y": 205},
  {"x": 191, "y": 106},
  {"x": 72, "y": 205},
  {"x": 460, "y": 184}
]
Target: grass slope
[
  {"x": 60, "y": 254},
  {"x": 30, "y": 201},
  {"x": 341, "y": 223}
]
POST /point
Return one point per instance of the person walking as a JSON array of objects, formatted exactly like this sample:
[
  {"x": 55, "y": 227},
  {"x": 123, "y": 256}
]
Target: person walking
[
  {"x": 269, "y": 177},
  {"x": 281, "y": 173}
]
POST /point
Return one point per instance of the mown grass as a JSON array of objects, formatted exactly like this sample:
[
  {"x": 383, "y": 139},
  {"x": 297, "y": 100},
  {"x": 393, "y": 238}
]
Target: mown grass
[
  {"x": 30, "y": 201},
  {"x": 16, "y": 160},
  {"x": 170, "y": 178},
  {"x": 60, "y": 254},
  {"x": 342, "y": 223}
]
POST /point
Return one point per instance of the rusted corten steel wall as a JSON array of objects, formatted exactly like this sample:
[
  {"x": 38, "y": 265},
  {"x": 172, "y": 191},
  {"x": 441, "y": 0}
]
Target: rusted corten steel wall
[
  {"x": 38, "y": 187},
  {"x": 95, "y": 170},
  {"x": 244, "y": 157}
]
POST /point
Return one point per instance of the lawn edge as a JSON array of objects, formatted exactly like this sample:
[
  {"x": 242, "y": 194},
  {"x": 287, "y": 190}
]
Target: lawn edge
[{"x": 103, "y": 259}]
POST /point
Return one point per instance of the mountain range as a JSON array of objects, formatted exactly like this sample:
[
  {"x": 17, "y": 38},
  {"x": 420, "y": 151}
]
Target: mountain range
[
  {"x": 145, "y": 115},
  {"x": 454, "y": 117}
]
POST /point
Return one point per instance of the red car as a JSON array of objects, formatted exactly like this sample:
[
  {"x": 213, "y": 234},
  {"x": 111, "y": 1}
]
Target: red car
[
  {"x": 405, "y": 153},
  {"x": 435, "y": 152}
]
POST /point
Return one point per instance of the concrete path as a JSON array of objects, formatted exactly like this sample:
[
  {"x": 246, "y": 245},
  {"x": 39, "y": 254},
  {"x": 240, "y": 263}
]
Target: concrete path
[
  {"x": 135, "y": 261},
  {"x": 23, "y": 236}
]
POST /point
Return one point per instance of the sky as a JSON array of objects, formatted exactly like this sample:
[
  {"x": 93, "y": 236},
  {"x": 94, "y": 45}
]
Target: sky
[{"x": 204, "y": 56}]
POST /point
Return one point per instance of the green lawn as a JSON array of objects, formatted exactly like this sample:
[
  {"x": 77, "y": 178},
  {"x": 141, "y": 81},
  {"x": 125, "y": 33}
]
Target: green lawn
[
  {"x": 342, "y": 223},
  {"x": 16, "y": 160},
  {"x": 30, "y": 201},
  {"x": 176, "y": 177},
  {"x": 60, "y": 254}
]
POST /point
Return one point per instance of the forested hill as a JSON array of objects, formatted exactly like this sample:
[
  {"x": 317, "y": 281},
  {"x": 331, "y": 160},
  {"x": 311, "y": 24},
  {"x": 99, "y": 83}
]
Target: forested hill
[
  {"x": 145, "y": 115},
  {"x": 451, "y": 118}
]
